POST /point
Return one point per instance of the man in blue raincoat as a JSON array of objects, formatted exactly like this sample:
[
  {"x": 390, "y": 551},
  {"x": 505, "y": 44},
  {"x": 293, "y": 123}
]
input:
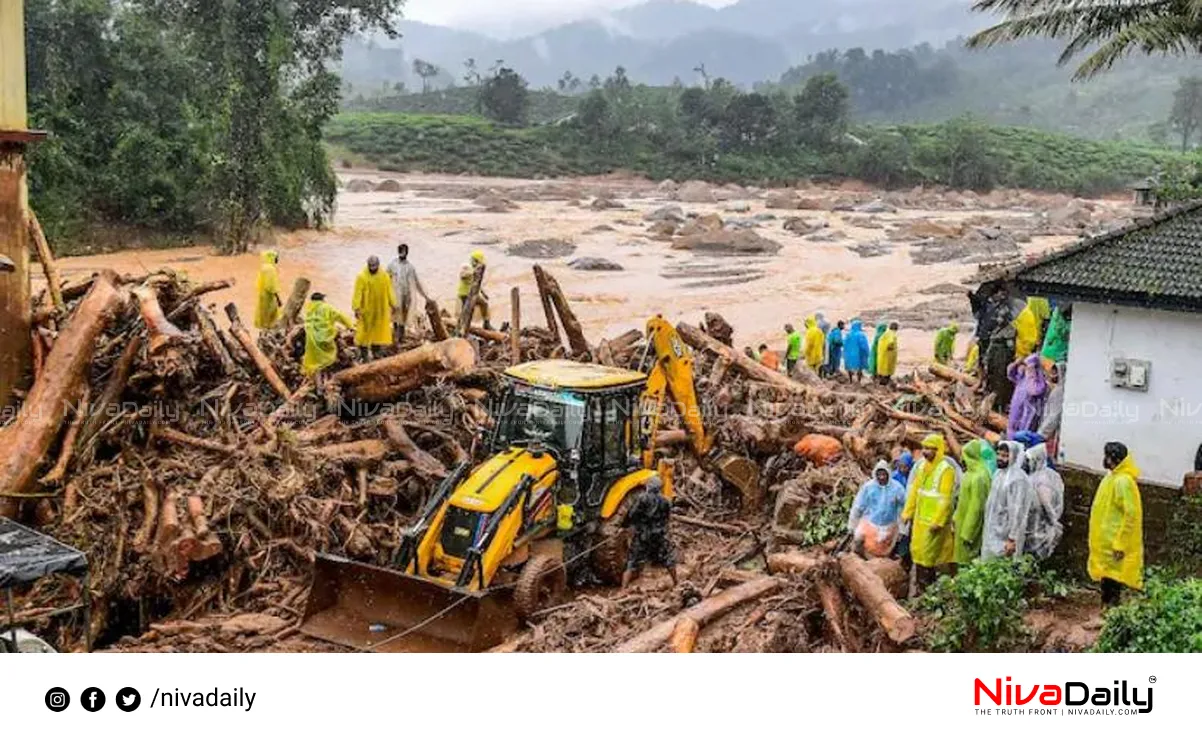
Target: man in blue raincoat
[
  {"x": 834, "y": 350},
  {"x": 855, "y": 352}
]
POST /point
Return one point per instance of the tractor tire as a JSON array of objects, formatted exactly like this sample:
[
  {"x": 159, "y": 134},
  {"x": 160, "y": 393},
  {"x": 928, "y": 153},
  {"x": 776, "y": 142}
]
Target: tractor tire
[
  {"x": 541, "y": 584},
  {"x": 609, "y": 558}
]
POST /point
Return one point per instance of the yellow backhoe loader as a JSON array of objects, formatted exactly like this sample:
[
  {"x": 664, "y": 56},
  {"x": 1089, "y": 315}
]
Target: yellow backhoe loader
[{"x": 494, "y": 544}]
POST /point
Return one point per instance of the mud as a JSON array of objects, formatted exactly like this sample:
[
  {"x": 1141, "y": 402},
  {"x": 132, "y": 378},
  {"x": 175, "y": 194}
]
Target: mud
[{"x": 810, "y": 273}]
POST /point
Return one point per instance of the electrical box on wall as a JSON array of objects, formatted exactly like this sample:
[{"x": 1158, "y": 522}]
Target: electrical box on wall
[{"x": 1130, "y": 374}]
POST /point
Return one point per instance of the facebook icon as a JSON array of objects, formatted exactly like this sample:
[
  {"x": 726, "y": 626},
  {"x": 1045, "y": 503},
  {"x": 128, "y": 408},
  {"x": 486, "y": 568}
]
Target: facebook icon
[{"x": 92, "y": 699}]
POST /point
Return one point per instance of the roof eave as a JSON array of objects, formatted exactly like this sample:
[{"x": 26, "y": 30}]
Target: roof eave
[{"x": 1142, "y": 300}]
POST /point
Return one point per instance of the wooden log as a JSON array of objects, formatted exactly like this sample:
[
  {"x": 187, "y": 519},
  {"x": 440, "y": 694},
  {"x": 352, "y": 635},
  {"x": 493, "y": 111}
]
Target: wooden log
[
  {"x": 469, "y": 302},
  {"x": 25, "y": 442},
  {"x": 162, "y": 331},
  {"x": 795, "y": 562},
  {"x": 875, "y": 597},
  {"x": 548, "y": 286},
  {"x": 169, "y": 526},
  {"x": 703, "y": 613},
  {"x": 364, "y": 453},
  {"x": 389, "y": 378},
  {"x": 82, "y": 409},
  {"x": 109, "y": 400},
  {"x": 548, "y": 307},
  {"x": 424, "y": 462},
  {"x": 54, "y": 283},
  {"x": 210, "y": 336},
  {"x": 436, "y": 324},
  {"x": 834, "y": 611},
  {"x": 749, "y": 367},
  {"x": 192, "y": 298},
  {"x": 997, "y": 421},
  {"x": 684, "y": 635},
  {"x": 492, "y": 336},
  {"x": 208, "y": 545},
  {"x": 239, "y": 331},
  {"x": 38, "y": 352},
  {"x": 952, "y": 375},
  {"x": 671, "y": 438},
  {"x": 892, "y": 575},
  {"x": 515, "y": 325},
  {"x": 183, "y": 439},
  {"x": 295, "y": 303}
]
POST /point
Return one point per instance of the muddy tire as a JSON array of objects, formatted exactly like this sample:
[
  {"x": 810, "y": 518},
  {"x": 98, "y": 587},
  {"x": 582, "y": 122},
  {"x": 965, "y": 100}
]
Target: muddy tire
[
  {"x": 609, "y": 559},
  {"x": 541, "y": 585}
]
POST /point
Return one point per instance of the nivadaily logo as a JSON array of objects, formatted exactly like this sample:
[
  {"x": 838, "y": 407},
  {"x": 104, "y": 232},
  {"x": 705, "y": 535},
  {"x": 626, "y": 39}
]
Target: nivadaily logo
[{"x": 1071, "y": 697}]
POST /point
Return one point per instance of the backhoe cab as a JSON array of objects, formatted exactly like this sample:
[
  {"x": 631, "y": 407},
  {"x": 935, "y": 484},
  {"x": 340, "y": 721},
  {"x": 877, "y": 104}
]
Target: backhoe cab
[{"x": 494, "y": 545}]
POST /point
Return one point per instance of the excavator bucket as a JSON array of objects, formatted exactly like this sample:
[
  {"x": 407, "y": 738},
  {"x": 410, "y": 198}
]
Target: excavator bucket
[
  {"x": 371, "y": 608},
  {"x": 740, "y": 473}
]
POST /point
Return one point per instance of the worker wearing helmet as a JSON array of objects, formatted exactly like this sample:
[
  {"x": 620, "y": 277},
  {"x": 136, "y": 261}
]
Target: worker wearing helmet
[{"x": 467, "y": 273}]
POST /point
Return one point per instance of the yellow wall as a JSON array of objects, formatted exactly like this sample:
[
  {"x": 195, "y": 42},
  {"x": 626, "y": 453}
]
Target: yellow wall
[{"x": 12, "y": 64}]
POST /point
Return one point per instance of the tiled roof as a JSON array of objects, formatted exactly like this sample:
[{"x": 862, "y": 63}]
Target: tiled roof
[{"x": 1154, "y": 263}]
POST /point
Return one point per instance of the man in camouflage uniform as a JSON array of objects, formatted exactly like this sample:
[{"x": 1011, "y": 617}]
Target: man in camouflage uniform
[{"x": 648, "y": 515}]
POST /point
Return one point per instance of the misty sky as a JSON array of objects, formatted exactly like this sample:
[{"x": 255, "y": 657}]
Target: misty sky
[{"x": 501, "y": 15}]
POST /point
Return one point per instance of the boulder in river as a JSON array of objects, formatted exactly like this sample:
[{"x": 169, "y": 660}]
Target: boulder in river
[
  {"x": 665, "y": 213},
  {"x": 594, "y": 263},
  {"x": 542, "y": 249},
  {"x": 728, "y": 242},
  {"x": 696, "y": 192},
  {"x": 389, "y": 186},
  {"x": 359, "y": 185}
]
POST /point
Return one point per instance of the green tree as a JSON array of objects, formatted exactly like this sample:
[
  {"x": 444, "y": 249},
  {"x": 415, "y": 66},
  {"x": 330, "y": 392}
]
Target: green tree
[
  {"x": 1186, "y": 115},
  {"x": 1108, "y": 30},
  {"x": 426, "y": 71},
  {"x": 505, "y": 97},
  {"x": 749, "y": 121},
  {"x": 821, "y": 111}
]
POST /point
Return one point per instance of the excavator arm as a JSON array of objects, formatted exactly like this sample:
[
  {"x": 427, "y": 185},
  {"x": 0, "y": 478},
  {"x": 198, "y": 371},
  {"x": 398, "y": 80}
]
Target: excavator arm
[{"x": 671, "y": 375}]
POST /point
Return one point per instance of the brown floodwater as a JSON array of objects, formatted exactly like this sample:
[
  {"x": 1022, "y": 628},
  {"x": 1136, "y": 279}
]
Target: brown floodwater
[{"x": 757, "y": 294}]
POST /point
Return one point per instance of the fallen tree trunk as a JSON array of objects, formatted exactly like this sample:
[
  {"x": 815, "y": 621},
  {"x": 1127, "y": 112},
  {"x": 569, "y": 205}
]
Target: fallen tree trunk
[
  {"x": 493, "y": 336},
  {"x": 548, "y": 287},
  {"x": 684, "y": 635},
  {"x": 54, "y": 284},
  {"x": 702, "y": 613},
  {"x": 109, "y": 398},
  {"x": 795, "y": 562},
  {"x": 242, "y": 335},
  {"x": 952, "y": 375},
  {"x": 389, "y": 378},
  {"x": 25, "y": 442},
  {"x": 150, "y": 515},
  {"x": 423, "y": 461},
  {"x": 192, "y": 298},
  {"x": 162, "y": 331},
  {"x": 82, "y": 409},
  {"x": 871, "y": 591},
  {"x": 749, "y": 367},
  {"x": 363, "y": 453},
  {"x": 434, "y": 315},
  {"x": 296, "y": 302},
  {"x": 210, "y": 336},
  {"x": 548, "y": 308},
  {"x": 833, "y": 610},
  {"x": 208, "y": 545}
]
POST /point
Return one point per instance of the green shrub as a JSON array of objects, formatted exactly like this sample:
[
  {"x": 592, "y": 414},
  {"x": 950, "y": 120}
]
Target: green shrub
[
  {"x": 1166, "y": 619},
  {"x": 981, "y": 607}
]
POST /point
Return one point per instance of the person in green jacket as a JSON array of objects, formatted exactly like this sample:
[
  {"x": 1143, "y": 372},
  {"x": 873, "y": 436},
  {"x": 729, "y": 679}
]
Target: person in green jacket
[
  {"x": 945, "y": 343},
  {"x": 793, "y": 351},
  {"x": 876, "y": 344},
  {"x": 1055, "y": 342},
  {"x": 969, "y": 518}
]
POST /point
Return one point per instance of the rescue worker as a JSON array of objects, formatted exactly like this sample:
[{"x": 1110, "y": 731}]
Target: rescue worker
[
  {"x": 881, "y": 329},
  {"x": 1028, "y": 326},
  {"x": 1116, "y": 530},
  {"x": 814, "y": 342},
  {"x": 945, "y": 343},
  {"x": 404, "y": 280},
  {"x": 267, "y": 289},
  {"x": 834, "y": 349},
  {"x": 1043, "y": 525},
  {"x": 373, "y": 304},
  {"x": 793, "y": 349},
  {"x": 969, "y": 517},
  {"x": 1011, "y": 497},
  {"x": 998, "y": 356},
  {"x": 886, "y": 360},
  {"x": 650, "y": 543},
  {"x": 929, "y": 507},
  {"x": 1055, "y": 342},
  {"x": 973, "y": 359},
  {"x": 769, "y": 358},
  {"x": 467, "y": 274},
  {"x": 855, "y": 352},
  {"x": 321, "y": 334},
  {"x": 876, "y": 513}
]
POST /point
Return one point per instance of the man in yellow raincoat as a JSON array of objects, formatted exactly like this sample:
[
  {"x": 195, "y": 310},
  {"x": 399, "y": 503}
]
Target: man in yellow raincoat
[
  {"x": 886, "y": 355},
  {"x": 321, "y": 334},
  {"x": 267, "y": 289},
  {"x": 373, "y": 305},
  {"x": 929, "y": 508},
  {"x": 1028, "y": 326},
  {"x": 814, "y": 343},
  {"x": 467, "y": 273},
  {"x": 1116, "y": 528}
]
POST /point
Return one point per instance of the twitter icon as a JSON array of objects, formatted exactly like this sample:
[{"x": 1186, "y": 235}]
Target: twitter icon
[{"x": 128, "y": 699}]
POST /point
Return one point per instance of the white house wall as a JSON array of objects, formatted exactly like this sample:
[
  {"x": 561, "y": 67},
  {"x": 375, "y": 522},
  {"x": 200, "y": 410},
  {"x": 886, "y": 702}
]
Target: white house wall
[{"x": 1162, "y": 426}]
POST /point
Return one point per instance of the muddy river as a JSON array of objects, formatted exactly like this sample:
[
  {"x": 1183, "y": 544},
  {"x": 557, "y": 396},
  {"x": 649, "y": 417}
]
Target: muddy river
[{"x": 440, "y": 220}]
